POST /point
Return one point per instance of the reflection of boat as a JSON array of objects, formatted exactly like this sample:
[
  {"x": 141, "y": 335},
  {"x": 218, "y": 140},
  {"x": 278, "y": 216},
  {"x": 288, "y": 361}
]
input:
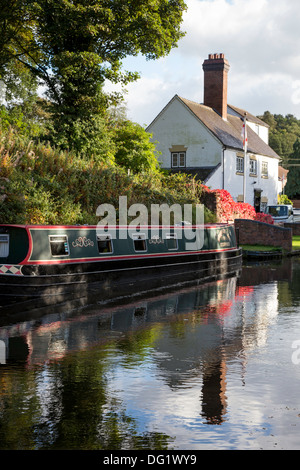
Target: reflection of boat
[
  {"x": 51, "y": 261},
  {"x": 55, "y": 331},
  {"x": 262, "y": 255}
]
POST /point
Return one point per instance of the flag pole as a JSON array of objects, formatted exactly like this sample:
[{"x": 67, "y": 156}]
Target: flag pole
[{"x": 245, "y": 141}]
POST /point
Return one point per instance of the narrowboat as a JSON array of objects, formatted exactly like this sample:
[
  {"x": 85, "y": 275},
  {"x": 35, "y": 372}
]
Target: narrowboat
[{"x": 52, "y": 261}]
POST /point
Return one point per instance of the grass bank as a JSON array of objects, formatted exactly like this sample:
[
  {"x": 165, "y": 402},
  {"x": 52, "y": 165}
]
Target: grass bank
[
  {"x": 296, "y": 243},
  {"x": 270, "y": 248},
  {"x": 261, "y": 248}
]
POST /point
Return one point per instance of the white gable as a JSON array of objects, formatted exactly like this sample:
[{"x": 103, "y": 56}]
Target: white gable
[{"x": 177, "y": 128}]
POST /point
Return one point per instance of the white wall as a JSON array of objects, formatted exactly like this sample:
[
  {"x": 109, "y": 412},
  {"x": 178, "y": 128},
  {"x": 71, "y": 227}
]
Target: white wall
[
  {"x": 177, "y": 126},
  {"x": 234, "y": 183},
  {"x": 261, "y": 131}
]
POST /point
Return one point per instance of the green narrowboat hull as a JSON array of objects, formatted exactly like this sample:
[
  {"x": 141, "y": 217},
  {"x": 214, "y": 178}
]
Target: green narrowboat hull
[{"x": 55, "y": 261}]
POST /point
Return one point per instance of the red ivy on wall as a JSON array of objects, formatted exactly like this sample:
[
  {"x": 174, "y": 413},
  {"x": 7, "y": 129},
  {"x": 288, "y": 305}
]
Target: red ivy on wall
[{"x": 228, "y": 209}]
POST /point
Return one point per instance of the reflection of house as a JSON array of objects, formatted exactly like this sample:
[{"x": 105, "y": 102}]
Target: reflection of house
[{"x": 206, "y": 140}]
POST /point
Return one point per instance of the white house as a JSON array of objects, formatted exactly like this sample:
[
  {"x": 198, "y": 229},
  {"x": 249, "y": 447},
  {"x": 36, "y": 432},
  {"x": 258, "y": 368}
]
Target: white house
[{"x": 206, "y": 140}]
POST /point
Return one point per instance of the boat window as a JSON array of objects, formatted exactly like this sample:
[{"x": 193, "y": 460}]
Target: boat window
[
  {"x": 4, "y": 246},
  {"x": 105, "y": 244},
  {"x": 139, "y": 242},
  {"x": 171, "y": 240},
  {"x": 59, "y": 245}
]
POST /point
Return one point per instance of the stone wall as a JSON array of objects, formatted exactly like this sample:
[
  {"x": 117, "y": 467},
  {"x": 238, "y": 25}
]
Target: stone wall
[
  {"x": 296, "y": 203},
  {"x": 295, "y": 227},
  {"x": 250, "y": 232}
]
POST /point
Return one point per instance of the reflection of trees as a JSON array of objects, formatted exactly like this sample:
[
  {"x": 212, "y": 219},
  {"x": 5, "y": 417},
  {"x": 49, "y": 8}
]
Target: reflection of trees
[
  {"x": 69, "y": 401},
  {"x": 66, "y": 405}
]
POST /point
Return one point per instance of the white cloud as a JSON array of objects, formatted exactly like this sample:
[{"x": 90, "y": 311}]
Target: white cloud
[
  {"x": 259, "y": 38},
  {"x": 296, "y": 92}
]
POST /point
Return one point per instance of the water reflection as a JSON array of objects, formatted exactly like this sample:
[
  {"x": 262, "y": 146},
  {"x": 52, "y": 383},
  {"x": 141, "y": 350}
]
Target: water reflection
[{"x": 158, "y": 373}]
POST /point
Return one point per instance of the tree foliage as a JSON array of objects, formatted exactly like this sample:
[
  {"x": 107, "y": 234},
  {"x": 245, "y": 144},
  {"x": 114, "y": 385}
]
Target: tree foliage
[
  {"x": 16, "y": 32},
  {"x": 134, "y": 150},
  {"x": 283, "y": 132},
  {"x": 41, "y": 185},
  {"x": 72, "y": 47},
  {"x": 292, "y": 188}
]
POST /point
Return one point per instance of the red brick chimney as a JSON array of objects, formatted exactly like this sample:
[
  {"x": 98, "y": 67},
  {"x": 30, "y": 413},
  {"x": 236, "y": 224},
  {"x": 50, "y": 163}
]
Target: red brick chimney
[{"x": 215, "y": 83}]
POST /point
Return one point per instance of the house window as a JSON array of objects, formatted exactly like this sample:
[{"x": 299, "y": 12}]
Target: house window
[
  {"x": 59, "y": 245},
  {"x": 105, "y": 244},
  {"x": 139, "y": 242},
  {"x": 239, "y": 164},
  {"x": 253, "y": 167},
  {"x": 264, "y": 169},
  {"x": 178, "y": 159},
  {"x": 4, "y": 246}
]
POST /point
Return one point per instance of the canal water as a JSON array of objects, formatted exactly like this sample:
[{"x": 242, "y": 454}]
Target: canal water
[{"x": 214, "y": 366}]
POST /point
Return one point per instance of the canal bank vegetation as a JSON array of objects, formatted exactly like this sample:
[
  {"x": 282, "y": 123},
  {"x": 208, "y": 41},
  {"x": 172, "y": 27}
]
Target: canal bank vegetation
[
  {"x": 260, "y": 249},
  {"x": 284, "y": 138},
  {"x": 66, "y": 153},
  {"x": 296, "y": 242},
  {"x": 40, "y": 184}
]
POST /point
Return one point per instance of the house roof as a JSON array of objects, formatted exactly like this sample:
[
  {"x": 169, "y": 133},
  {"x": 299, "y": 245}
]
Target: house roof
[
  {"x": 201, "y": 173},
  {"x": 250, "y": 117},
  {"x": 229, "y": 132}
]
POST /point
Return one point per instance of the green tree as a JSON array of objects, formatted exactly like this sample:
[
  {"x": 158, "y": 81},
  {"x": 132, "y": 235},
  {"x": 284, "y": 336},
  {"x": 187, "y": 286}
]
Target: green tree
[
  {"x": 283, "y": 132},
  {"x": 292, "y": 188},
  {"x": 74, "y": 46},
  {"x": 16, "y": 33},
  {"x": 134, "y": 150}
]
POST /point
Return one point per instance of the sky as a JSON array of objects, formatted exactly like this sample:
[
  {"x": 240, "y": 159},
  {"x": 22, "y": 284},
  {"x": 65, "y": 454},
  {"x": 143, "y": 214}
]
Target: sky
[{"x": 260, "y": 40}]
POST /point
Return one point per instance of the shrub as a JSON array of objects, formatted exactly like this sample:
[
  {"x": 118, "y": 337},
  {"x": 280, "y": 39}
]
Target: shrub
[
  {"x": 42, "y": 185},
  {"x": 228, "y": 209}
]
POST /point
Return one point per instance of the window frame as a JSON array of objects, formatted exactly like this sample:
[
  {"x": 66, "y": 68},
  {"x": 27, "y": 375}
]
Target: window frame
[
  {"x": 239, "y": 163},
  {"x": 139, "y": 237},
  {"x": 178, "y": 155},
  {"x": 253, "y": 171},
  {"x": 172, "y": 236},
  {"x": 66, "y": 245},
  {"x": 106, "y": 237},
  {"x": 264, "y": 174},
  {"x": 4, "y": 245}
]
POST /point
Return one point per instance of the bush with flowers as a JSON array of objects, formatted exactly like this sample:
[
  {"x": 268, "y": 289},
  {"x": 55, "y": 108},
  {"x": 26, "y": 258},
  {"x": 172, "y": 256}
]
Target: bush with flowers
[{"x": 228, "y": 209}]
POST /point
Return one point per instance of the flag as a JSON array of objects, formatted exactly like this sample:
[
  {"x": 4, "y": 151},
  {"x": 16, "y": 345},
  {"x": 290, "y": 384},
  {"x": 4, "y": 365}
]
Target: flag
[{"x": 244, "y": 135}]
